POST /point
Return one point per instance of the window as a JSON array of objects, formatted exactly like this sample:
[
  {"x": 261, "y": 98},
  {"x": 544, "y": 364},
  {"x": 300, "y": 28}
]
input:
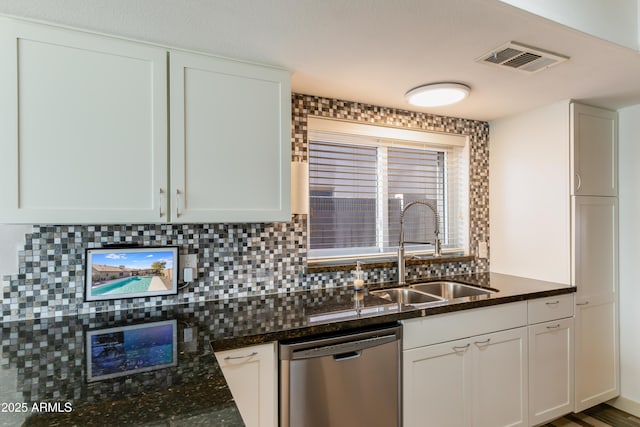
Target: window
[{"x": 359, "y": 184}]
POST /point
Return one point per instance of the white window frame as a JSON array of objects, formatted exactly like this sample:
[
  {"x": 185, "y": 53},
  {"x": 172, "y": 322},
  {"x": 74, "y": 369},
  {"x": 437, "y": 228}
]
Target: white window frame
[{"x": 351, "y": 133}]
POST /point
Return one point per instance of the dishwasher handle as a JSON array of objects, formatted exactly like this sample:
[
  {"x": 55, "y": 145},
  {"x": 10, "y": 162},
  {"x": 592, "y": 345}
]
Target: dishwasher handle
[
  {"x": 347, "y": 356},
  {"x": 342, "y": 348}
]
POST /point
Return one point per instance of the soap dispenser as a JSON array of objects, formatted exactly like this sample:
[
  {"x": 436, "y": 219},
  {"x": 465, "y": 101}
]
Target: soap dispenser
[{"x": 358, "y": 277}]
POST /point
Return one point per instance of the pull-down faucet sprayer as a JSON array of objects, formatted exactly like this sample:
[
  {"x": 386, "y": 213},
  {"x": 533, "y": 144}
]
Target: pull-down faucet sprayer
[{"x": 438, "y": 249}]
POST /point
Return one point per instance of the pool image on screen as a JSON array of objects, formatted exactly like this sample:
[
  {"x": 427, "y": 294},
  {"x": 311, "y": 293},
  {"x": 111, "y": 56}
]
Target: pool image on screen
[
  {"x": 131, "y": 349},
  {"x": 129, "y": 272}
]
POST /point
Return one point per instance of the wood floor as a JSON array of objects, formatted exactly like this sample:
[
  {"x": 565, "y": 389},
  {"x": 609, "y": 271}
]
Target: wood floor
[{"x": 599, "y": 416}]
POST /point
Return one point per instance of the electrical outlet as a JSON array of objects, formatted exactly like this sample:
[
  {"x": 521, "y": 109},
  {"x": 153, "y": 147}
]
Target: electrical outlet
[
  {"x": 187, "y": 272},
  {"x": 188, "y": 261},
  {"x": 483, "y": 250}
]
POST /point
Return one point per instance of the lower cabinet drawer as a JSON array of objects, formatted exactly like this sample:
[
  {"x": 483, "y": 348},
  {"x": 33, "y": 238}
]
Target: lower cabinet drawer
[
  {"x": 550, "y": 308},
  {"x": 462, "y": 324}
]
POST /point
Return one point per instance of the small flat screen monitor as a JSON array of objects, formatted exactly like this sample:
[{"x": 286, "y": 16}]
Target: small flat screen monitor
[{"x": 128, "y": 272}]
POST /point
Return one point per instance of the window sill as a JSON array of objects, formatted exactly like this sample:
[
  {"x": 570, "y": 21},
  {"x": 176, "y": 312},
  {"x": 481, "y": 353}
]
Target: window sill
[{"x": 348, "y": 265}]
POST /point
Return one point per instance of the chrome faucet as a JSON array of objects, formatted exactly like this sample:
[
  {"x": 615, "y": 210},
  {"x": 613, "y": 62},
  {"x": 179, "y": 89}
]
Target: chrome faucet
[{"x": 438, "y": 249}]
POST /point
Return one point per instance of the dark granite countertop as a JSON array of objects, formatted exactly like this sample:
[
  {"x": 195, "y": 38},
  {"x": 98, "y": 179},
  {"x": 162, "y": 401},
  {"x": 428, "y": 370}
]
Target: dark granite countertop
[{"x": 46, "y": 361}]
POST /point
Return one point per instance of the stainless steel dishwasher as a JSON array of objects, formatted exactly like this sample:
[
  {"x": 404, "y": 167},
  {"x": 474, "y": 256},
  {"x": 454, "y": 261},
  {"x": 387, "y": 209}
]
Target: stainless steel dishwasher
[{"x": 347, "y": 380}]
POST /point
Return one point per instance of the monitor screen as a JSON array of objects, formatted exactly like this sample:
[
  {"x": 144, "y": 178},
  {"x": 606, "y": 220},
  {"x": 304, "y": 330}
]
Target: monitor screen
[{"x": 127, "y": 272}]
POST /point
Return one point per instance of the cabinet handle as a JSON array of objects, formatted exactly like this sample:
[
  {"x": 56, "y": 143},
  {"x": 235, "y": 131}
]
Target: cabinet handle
[
  {"x": 579, "y": 179},
  {"x": 462, "y": 348},
  {"x": 583, "y": 303},
  {"x": 556, "y": 326},
  {"x": 487, "y": 341},
  {"x": 161, "y": 202},
  {"x": 255, "y": 353},
  {"x": 552, "y": 302},
  {"x": 178, "y": 197}
]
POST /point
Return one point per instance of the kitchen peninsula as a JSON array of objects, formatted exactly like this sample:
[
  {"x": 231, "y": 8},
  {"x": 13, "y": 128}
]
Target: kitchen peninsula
[{"x": 50, "y": 355}]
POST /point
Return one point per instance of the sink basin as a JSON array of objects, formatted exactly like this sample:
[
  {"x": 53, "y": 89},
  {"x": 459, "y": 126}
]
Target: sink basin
[
  {"x": 406, "y": 296},
  {"x": 451, "y": 290}
]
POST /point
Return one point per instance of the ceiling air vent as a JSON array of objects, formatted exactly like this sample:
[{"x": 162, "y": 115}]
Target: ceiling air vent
[{"x": 520, "y": 57}]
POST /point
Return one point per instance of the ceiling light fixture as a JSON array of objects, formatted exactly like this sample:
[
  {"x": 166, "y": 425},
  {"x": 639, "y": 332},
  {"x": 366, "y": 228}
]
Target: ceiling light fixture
[{"x": 437, "y": 94}]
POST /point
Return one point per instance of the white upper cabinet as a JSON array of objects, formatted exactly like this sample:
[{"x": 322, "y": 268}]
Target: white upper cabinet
[
  {"x": 84, "y": 137},
  {"x": 230, "y": 140},
  {"x": 83, "y": 134},
  {"x": 594, "y": 145}
]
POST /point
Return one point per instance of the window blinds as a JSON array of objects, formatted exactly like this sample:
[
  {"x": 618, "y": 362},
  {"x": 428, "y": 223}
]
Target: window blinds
[
  {"x": 359, "y": 185},
  {"x": 343, "y": 196}
]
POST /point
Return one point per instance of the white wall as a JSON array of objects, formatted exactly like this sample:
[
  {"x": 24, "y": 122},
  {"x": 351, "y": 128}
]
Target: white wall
[
  {"x": 529, "y": 194},
  {"x": 11, "y": 239},
  {"x": 612, "y": 20},
  {"x": 629, "y": 200}
]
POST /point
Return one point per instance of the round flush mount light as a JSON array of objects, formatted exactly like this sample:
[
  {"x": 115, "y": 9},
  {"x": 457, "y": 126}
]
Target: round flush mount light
[{"x": 437, "y": 94}]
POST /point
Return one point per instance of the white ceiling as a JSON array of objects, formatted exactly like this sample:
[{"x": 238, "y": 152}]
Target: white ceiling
[{"x": 372, "y": 51}]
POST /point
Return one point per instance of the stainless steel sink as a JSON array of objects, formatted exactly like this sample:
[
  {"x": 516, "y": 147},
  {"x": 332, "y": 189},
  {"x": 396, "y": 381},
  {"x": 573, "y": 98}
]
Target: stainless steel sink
[
  {"x": 406, "y": 296},
  {"x": 451, "y": 290}
]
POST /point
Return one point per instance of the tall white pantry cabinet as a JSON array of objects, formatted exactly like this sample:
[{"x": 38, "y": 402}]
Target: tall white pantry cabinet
[
  {"x": 594, "y": 254},
  {"x": 99, "y": 129},
  {"x": 553, "y": 178}
]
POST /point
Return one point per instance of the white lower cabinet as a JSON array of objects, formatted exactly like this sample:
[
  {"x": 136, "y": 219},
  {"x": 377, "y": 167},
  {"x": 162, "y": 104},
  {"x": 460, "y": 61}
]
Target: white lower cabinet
[
  {"x": 458, "y": 372},
  {"x": 550, "y": 370},
  {"x": 597, "y": 367},
  {"x": 499, "y": 379},
  {"x": 251, "y": 373},
  {"x": 477, "y": 381},
  {"x": 436, "y": 389}
]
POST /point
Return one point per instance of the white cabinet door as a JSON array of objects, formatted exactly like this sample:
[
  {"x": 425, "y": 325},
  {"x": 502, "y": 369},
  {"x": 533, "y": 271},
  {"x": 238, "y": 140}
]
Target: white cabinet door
[
  {"x": 597, "y": 368},
  {"x": 479, "y": 381},
  {"x": 595, "y": 275},
  {"x": 550, "y": 370},
  {"x": 251, "y": 373},
  {"x": 595, "y": 250},
  {"x": 436, "y": 388},
  {"x": 83, "y": 135},
  {"x": 594, "y": 154},
  {"x": 499, "y": 377},
  {"x": 230, "y": 141}
]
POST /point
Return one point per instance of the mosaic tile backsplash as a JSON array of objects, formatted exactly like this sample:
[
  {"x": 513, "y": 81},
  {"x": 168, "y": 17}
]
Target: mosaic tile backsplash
[{"x": 234, "y": 260}]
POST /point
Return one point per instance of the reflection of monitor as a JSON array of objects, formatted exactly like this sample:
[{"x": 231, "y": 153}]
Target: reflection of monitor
[
  {"x": 127, "y": 350},
  {"x": 126, "y": 272}
]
